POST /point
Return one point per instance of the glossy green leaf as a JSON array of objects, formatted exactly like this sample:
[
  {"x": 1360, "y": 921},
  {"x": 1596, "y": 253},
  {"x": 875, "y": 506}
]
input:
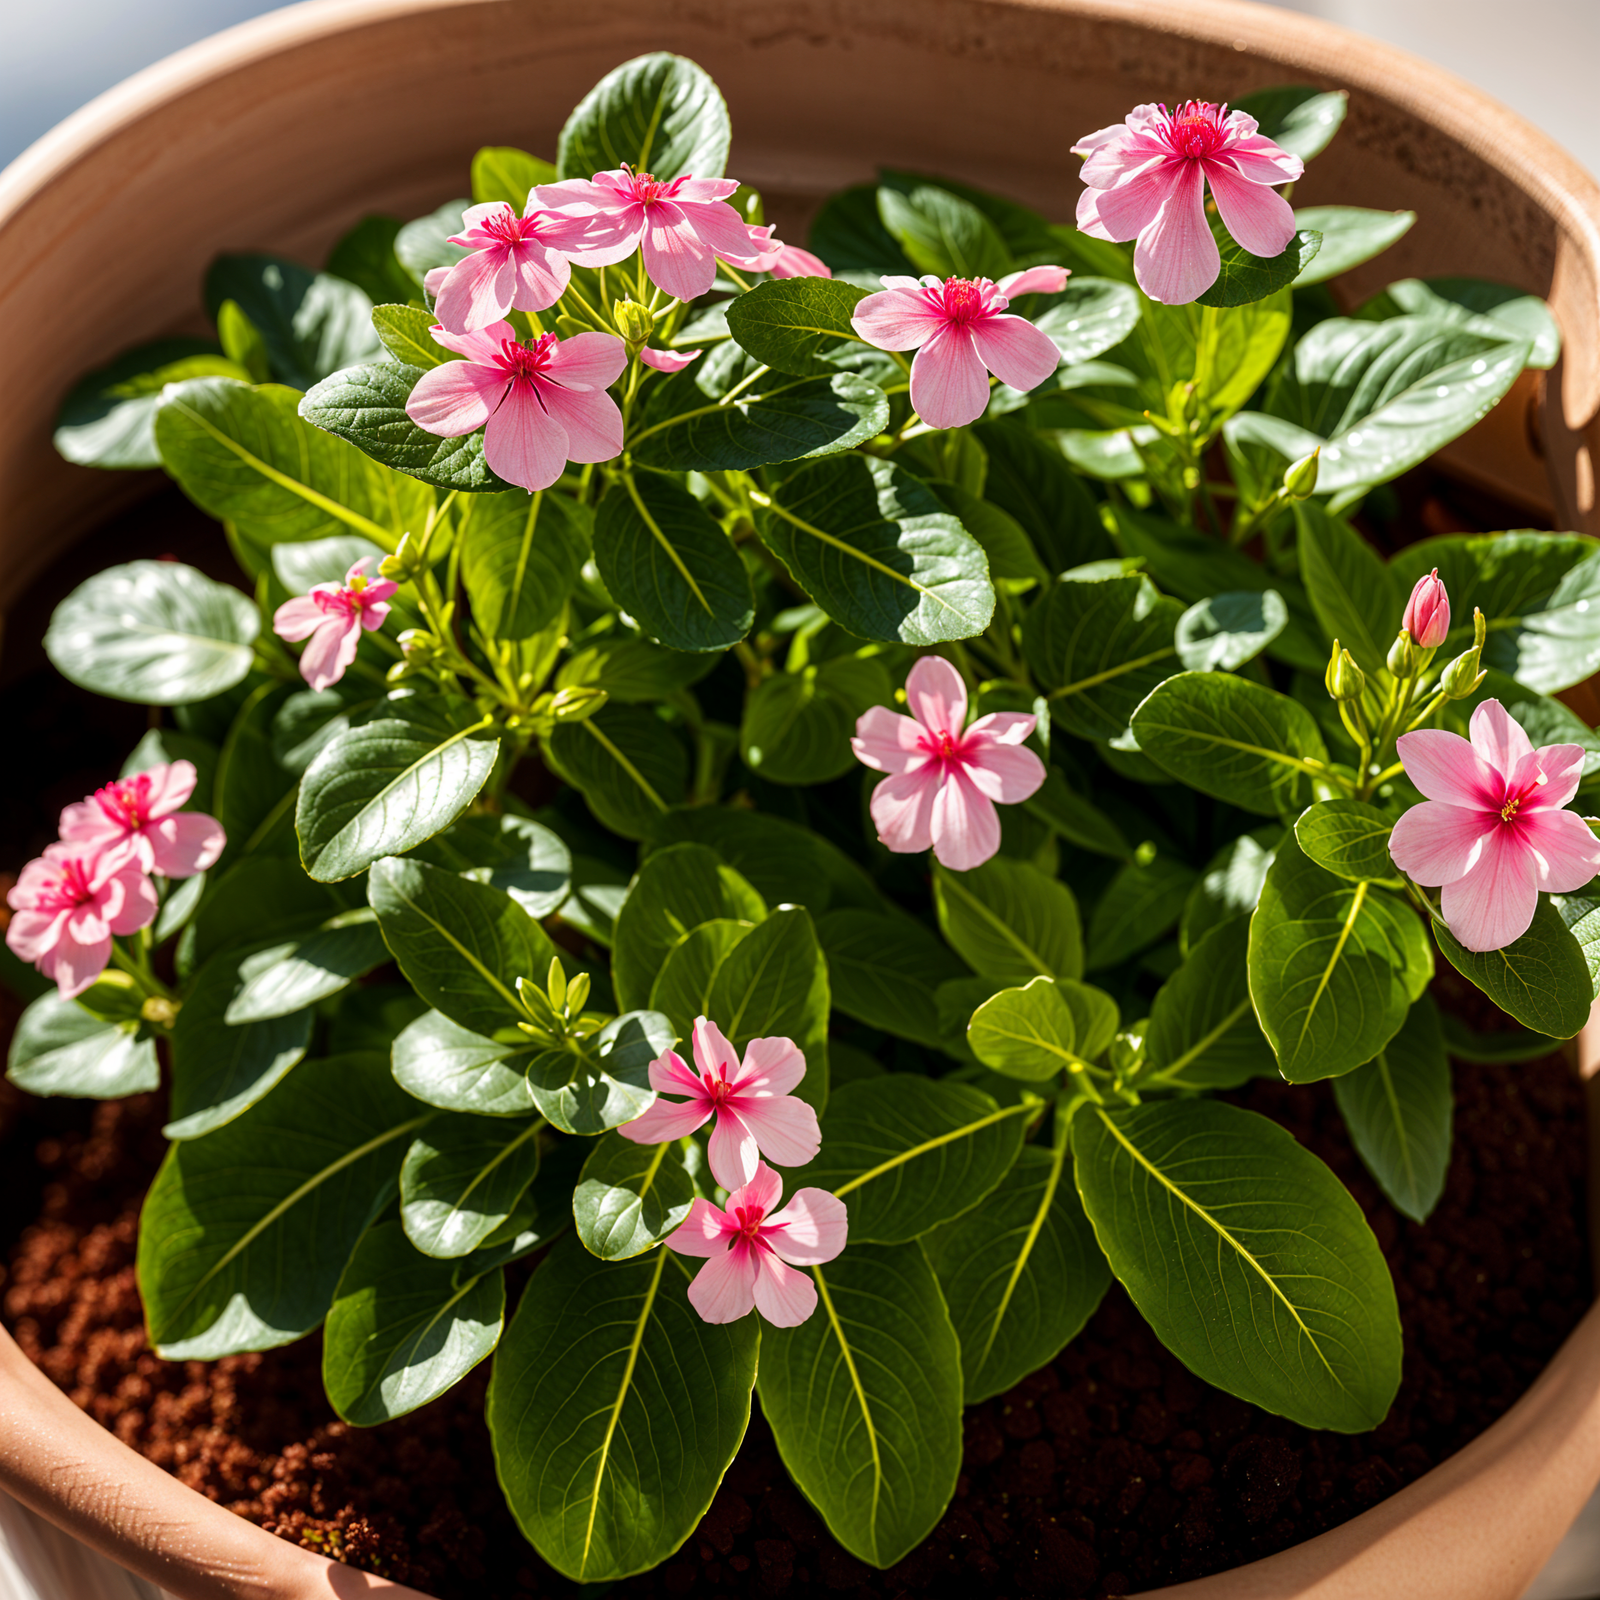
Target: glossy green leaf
[
  {"x": 1089, "y": 317},
  {"x": 1349, "y": 838},
  {"x": 1226, "y": 631},
  {"x": 462, "y": 1177},
  {"x": 445, "y": 1065},
  {"x": 1496, "y": 309},
  {"x": 1350, "y": 235},
  {"x": 1046, "y": 1027},
  {"x": 1540, "y": 979},
  {"x": 608, "y": 1476},
  {"x": 520, "y": 557},
  {"x": 864, "y": 1400},
  {"x": 1334, "y": 966},
  {"x": 1249, "y": 1259},
  {"x": 941, "y": 233},
  {"x": 1203, "y": 1032},
  {"x": 515, "y": 854},
  {"x": 607, "y": 1081},
  {"x": 285, "y": 978},
  {"x": 1010, "y": 553},
  {"x": 885, "y": 971},
  {"x": 797, "y": 725},
  {"x": 1053, "y": 505},
  {"x": 631, "y": 1196},
  {"x": 366, "y": 257},
  {"x": 295, "y": 1180},
  {"x": 665, "y": 560},
  {"x": 789, "y": 322},
  {"x": 1356, "y": 597},
  {"x": 61, "y": 1049},
  {"x": 404, "y": 331},
  {"x": 1298, "y": 119},
  {"x": 659, "y": 113},
  {"x": 1141, "y": 904},
  {"x": 155, "y": 632},
  {"x": 1021, "y": 1274},
  {"x": 1233, "y": 739},
  {"x": 403, "y": 1329},
  {"x": 1580, "y": 911},
  {"x": 1243, "y": 347},
  {"x": 1009, "y": 921},
  {"x": 502, "y": 172},
  {"x": 682, "y": 989},
  {"x": 1244, "y": 279},
  {"x": 1398, "y": 1110},
  {"x": 1077, "y": 820},
  {"x": 849, "y": 235},
  {"x": 424, "y": 243},
  {"x": 253, "y": 795},
  {"x": 906, "y": 1153},
  {"x": 628, "y": 764},
  {"x": 1230, "y": 886},
  {"x": 631, "y": 669}
]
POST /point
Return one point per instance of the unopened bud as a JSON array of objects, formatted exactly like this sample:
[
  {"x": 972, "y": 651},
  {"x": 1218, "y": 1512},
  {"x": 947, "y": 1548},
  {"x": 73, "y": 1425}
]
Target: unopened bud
[
  {"x": 1462, "y": 677},
  {"x": 577, "y": 704},
  {"x": 1344, "y": 679},
  {"x": 1403, "y": 659},
  {"x": 556, "y": 983},
  {"x": 1300, "y": 477},
  {"x": 159, "y": 1010},
  {"x": 404, "y": 564},
  {"x": 1127, "y": 1050},
  {"x": 1427, "y": 617},
  {"x": 577, "y": 993},
  {"x": 1189, "y": 407},
  {"x": 633, "y": 321}
]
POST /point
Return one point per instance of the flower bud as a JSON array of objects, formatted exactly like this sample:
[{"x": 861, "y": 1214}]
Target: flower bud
[
  {"x": 404, "y": 564},
  {"x": 577, "y": 993},
  {"x": 577, "y": 704},
  {"x": 1403, "y": 660},
  {"x": 1300, "y": 477},
  {"x": 1427, "y": 617},
  {"x": 1462, "y": 677},
  {"x": 556, "y": 982},
  {"x": 1344, "y": 679},
  {"x": 632, "y": 320}
]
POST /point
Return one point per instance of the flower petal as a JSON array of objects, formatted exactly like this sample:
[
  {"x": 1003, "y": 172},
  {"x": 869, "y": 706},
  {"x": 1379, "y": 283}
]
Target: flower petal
[
  {"x": 330, "y": 651},
  {"x": 75, "y": 966},
  {"x": 1124, "y": 212},
  {"x": 140, "y": 902},
  {"x": 724, "y": 1288},
  {"x": 897, "y": 318},
  {"x": 782, "y": 1295},
  {"x": 888, "y": 742},
  {"x": 298, "y": 618},
  {"x": 1559, "y": 766},
  {"x": 1497, "y": 737},
  {"x": 1008, "y": 773},
  {"x": 712, "y": 1052},
  {"x": 1256, "y": 158},
  {"x": 763, "y": 1191},
  {"x": 949, "y": 382},
  {"x": 522, "y": 443},
  {"x": 902, "y": 809},
  {"x": 1015, "y": 351},
  {"x": 667, "y": 360},
  {"x": 1435, "y": 843},
  {"x": 185, "y": 844},
  {"x": 793, "y": 262},
  {"x": 937, "y": 696},
  {"x": 1566, "y": 853},
  {"x": 734, "y": 1150},
  {"x": 170, "y": 785},
  {"x": 771, "y": 1066},
  {"x": 453, "y": 399},
  {"x": 477, "y": 291},
  {"x": 1176, "y": 259},
  {"x": 966, "y": 829},
  {"x": 674, "y": 257},
  {"x": 1444, "y": 766},
  {"x": 1004, "y": 727},
  {"x": 784, "y": 1126},
  {"x": 1493, "y": 905},
  {"x": 1258, "y": 217},
  {"x": 715, "y": 223},
  {"x": 588, "y": 361},
  {"x": 590, "y": 419},
  {"x": 704, "y": 1232},
  {"x": 666, "y": 1119},
  {"x": 1034, "y": 280},
  {"x": 671, "y": 1074},
  {"x": 812, "y": 1228}
]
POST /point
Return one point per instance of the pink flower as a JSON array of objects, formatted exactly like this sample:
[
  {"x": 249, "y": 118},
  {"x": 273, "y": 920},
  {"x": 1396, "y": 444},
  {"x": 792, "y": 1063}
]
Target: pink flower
[
  {"x": 781, "y": 260},
  {"x": 68, "y": 903},
  {"x": 960, "y": 335},
  {"x": 754, "y": 1250},
  {"x": 332, "y": 615},
  {"x": 756, "y": 1114},
  {"x": 515, "y": 262},
  {"x": 541, "y": 405},
  {"x": 1427, "y": 617},
  {"x": 137, "y": 819},
  {"x": 682, "y": 225},
  {"x": 1492, "y": 832},
  {"x": 667, "y": 360},
  {"x": 1147, "y": 179},
  {"x": 943, "y": 782}
]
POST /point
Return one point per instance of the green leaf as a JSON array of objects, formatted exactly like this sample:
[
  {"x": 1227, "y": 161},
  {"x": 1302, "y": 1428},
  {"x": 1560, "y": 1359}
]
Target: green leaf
[
  {"x": 659, "y": 113},
  {"x": 1042, "y": 1029},
  {"x": 1010, "y": 553},
  {"x": 296, "y": 1179},
  {"x": 386, "y": 785},
  {"x": 631, "y": 1196},
  {"x": 154, "y": 632},
  {"x": 604, "y": 1083},
  {"x": 1231, "y": 884},
  {"x": 59, "y": 1048},
  {"x": 608, "y": 1476},
  {"x": 1578, "y": 911},
  {"x": 264, "y": 899},
  {"x": 424, "y": 244},
  {"x": 366, "y": 407},
  {"x": 941, "y": 233},
  {"x": 108, "y": 419},
  {"x": 1226, "y": 631},
  {"x": 1076, "y": 819},
  {"x": 628, "y": 764},
  {"x": 1297, "y": 119},
  {"x": 461, "y": 945},
  {"x": 1244, "y": 348},
  {"x": 1356, "y": 598},
  {"x": 864, "y": 1400},
  {"x": 1244, "y": 278},
  {"x": 797, "y": 725},
  {"x": 520, "y": 557},
  {"x": 1508, "y": 1044},
  {"x": 1334, "y": 967},
  {"x": 1350, "y": 235},
  {"x": 245, "y": 456},
  {"x": 1034, "y": 484},
  {"x": 789, "y": 322},
  {"x": 631, "y": 669},
  {"x": 311, "y": 322},
  {"x": 849, "y": 235},
  {"x": 1495, "y": 309},
  {"x": 366, "y": 257},
  {"x": 1138, "y": 906},
  {"x": 885, "y": 971},
  {"x": 676, "y": 890},
  {"x": 666, "y": 561},
  {"x": 1398, "y": 1111},
  {"x": 404, "y": 331},
  {"x": 462, "y": 1177},
  {"x": 253, "y": 796},
  {"x": 285, "y": 978},
  {"x": 1349, "y": 838},
  {"x": 1246, "y": 1255},
  {"x": 1089, "y": 317},
  {"x": 1009, "y": 921},
  {"x": 219, "y": 1071},
  {"x": 1021, "y": 1275},
  {"x": 445, "y": 1065},
  {"x": 682, "y": 990},
  {"x": 502, "y": 172},
  {"x": 242, "y": 341},
  {"x": 403, "y": 1329},
  {"x": 1540, "y": 979},
  {"x": 1099, "y": 645},
  {"x": 906, "y": 1153},
  {"x": 1236, "y": 740},
  {"x": 877, "y": 551},
  {"x": 1203, "y": 1032}
]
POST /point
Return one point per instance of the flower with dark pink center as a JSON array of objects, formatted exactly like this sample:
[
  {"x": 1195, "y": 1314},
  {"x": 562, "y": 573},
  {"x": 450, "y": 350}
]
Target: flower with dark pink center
[
  {"x": 1147, "y": 179},
  {"x": 961, "y": 333},
  {"x": 332, "y": 616},
  {"x": 66, "y": 905},
  {"x": 540, "y": 405},
  {"x": 944, "y": 778},
  {"x": 138, "y": 819}
]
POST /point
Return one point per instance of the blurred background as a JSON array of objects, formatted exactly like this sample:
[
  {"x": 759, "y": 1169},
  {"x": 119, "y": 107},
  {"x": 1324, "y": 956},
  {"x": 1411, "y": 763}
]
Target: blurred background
[{"x": 1536, "y": 55}]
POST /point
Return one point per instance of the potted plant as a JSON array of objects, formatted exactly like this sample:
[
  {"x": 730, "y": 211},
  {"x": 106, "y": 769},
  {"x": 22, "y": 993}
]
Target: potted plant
[{"x": 914, "y": 530}]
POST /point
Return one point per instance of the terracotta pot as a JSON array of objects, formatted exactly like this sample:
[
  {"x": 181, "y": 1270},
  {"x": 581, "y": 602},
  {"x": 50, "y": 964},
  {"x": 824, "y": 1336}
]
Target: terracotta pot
[{"x": 280, "y": 134}]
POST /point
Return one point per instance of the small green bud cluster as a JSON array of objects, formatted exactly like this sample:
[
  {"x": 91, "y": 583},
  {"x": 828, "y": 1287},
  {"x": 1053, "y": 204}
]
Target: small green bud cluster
[
  {"x": 1462, "y": 677},
  {"x": 555, "y": 1014},
  {"x": 1344, "y": 679}
]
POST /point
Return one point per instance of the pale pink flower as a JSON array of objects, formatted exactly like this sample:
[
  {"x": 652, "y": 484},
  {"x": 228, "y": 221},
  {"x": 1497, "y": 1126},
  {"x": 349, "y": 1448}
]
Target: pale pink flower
[
  {"x": 138, "y": 819},
  {"x": 332, "y": 616},
  {"x": 1427, "y": 617},
  {"x": 1146, "y": 180},
  {"x": 66, "y": 905},
  {"x": 681, "y": 225},
  {"x": 754, "y": 1250},
  {"x": 541, "y": 405},
  {"x": 781, "y": 260},
  {"x": 1492, "y": 832},
  {"x": 943, "y": 782},
  {"x": 961, "y": 334},
  {"x": 667, "y": 360},
  {"x": 515, "y": 262},
  {"x": 755, "y": 1111}
]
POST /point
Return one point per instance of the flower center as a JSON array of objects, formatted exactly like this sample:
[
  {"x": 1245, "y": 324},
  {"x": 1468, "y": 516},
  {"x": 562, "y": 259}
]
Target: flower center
[
  {"x": 647, "y": 191},
  {"x": 718, "y": 1087},
  {"x": 525, "y": 362},
  {"x": 965, "y": 300},
  {"x": 126, "y": 802},
  {"x": 1508, "y": 812},
  {"x": 506, "y": 226},
  {"x": 750, "y": 1219},
  {"x": 1196, "y": 131},
  {"x": 70, "y": 889}
]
